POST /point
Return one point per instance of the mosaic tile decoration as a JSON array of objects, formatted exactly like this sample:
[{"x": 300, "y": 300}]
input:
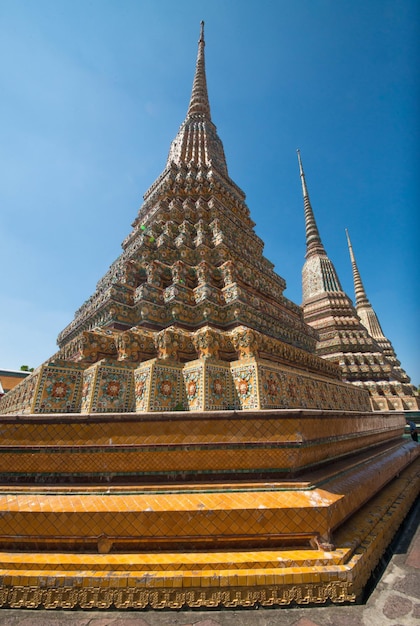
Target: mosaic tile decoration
[
  {"x": 193, "y": 378},
  {"x": 219, "y": 389},
  {"x": 229, "y": 442},
  {"x": 247, "y": 383},
  {"x": 113, "y": 389},
  {"x": 142, "y": 387},
  {"x": 164, "y": 519},
  {"x": 165, "y": 386},
  {"x": 224, "y": 427},
  {"x": 59, "y": 389},
  {"x": 89, "y": 378},
  {"x": 245, "y": 379},
  {"x": 265, "y": 385},
  {"x": 20, "y": 399},
  {"x": 162, "y": 516},
  {"x": 113, "y": 462}
]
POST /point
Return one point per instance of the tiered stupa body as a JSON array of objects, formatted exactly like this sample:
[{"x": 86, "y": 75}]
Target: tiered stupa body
[
  {"x": 112, "y": 496},
  {"x": 365, "y": 357},
  {"x": 193, "y": 257},
  {"x": 400, "y": 387}
]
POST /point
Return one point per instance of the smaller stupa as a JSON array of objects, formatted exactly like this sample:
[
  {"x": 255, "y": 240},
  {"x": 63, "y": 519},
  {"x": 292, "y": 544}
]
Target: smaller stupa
[
  {"x": 402, "y": 387},
  {"x": 349, "y": 336}
]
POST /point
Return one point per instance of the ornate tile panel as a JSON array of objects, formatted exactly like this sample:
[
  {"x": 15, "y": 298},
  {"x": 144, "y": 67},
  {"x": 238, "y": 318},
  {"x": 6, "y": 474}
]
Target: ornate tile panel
[
  {"x": 20, "y": 399},
  {"x": 108, "y": 388},
  {"x": 287, "y": 388},
  {"x": 142, "y": 378},
  {"x": 165, "y": 386},
  {"x": 89, "y": 378},
  {"x": 219, "y": 388},
  {"x": 245, "y": 380},
  {"x": 59, "y": 389},
  {"x": 193, "y": 379}
]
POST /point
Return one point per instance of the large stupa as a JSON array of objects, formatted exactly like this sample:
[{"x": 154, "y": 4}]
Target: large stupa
[
  {"x": 191, "y": 315},
  {"x": 186, "y": 446}
]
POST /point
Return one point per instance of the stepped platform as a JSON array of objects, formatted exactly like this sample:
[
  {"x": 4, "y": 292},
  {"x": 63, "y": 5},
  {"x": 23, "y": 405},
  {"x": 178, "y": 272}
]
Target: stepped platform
[{"x": 222, "y": 509}]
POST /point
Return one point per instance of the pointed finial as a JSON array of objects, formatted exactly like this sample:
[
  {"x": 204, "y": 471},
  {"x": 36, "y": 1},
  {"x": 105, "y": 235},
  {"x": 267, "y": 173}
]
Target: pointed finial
[
  {"x": 302, "y": 175},
  {"x": 197, "y": 140},
  {"x": 199, "y": 103},
  {"x": 300, "y": 161},
  {"x": 313, "y": 239},
  {"x": 352, "y": 259},
  {"x": 359, "y": 290},
  {"x": 363, "y": 307}
]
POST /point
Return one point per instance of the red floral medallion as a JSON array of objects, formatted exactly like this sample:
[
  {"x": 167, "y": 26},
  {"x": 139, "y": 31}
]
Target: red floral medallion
[
  {"x": 59, "y": 390},
  {"x": 166, "y": 388},
  {"x": 243, "y": 387},
  {"x": 218, "y": 387},
  {"x": 192, "y": 388},
  {"x": 113, "y": 388}
]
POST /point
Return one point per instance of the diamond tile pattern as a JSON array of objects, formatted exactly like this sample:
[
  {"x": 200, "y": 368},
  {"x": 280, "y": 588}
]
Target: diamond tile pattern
[
  {"x": 165, "y": 516},
  {"x": 205, "y": 515},
  {"x": 243, "y": 578},
  {"x": 173, "y": 443}
]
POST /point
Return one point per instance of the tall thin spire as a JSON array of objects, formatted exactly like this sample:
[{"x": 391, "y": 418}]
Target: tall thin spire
[
  {"x": 318, "y": 273},
  {"x": 197, "y": 142},
  {"x": 370, "y": 321},
  {"x": 359, "y": 290},
  {"x": 313, "y": 239},
  {"x": 363, "y": 307},
  {"x": 199, "y": 103}
]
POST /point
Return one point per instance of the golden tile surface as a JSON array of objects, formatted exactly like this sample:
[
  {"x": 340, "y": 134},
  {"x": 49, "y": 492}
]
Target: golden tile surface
[{"x": 206, "y": 579}]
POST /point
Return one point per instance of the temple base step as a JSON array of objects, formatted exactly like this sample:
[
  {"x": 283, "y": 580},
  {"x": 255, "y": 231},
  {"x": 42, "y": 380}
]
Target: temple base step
[{"x": 172, "y": 580}]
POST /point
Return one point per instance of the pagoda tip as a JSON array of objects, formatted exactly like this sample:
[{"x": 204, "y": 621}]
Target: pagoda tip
[
  {"x": 202, "y": 30},
  {"x": 299, "y": 160}
]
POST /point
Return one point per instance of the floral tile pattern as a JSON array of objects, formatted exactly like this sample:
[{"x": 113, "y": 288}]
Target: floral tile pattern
[
  {"x": 108, "y": 388},
  {"x": 193, "y": 377},
  {"x": 165, "y": 386},
  {"x": 59, "y": 389},
  {"x": 142, "y": 387},
  {"x": 219, "y": 389}
]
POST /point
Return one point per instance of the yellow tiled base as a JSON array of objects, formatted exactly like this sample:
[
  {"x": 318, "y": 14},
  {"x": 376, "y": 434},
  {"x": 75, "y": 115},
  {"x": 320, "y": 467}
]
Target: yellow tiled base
[
  {"x": 175, "y": 444},
  {"x": 196, "y": 516},
  {"x": 229, "y": 579}
]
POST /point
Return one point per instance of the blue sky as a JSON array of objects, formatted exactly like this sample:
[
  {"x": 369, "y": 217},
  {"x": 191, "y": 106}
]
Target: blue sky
[{"x": 93, "y": 92}]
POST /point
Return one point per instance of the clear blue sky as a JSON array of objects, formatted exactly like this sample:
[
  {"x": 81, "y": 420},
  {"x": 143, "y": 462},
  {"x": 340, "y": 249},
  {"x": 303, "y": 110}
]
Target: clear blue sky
[{"x": 93, "y": 92}]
